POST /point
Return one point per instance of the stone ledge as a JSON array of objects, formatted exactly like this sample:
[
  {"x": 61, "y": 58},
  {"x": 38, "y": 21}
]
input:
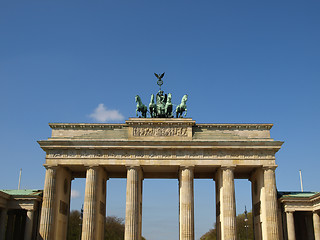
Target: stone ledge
[
  {"x": 86, "y": 125},
  {"x": 232, "y": 126}
]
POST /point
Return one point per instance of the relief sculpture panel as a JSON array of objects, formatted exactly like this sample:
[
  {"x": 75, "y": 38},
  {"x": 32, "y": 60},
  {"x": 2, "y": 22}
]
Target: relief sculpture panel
[
  {"x": 147, "y": 154},
  {"x": 160, "y": 132}
]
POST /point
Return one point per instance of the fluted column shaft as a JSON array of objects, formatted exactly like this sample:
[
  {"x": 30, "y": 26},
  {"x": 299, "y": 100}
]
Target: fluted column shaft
[
  {"x": 186, "y": 206},
  {"x": 290, "y": 226},
  {"x": 46, "y": 222},
  {"x": 29, "y": 225},
  {"x": 316, "y": 225},
  {"x": 228, "y": 204},
  {"x": 3, "y": 218},
  {"x": 9, "y": 232},
  {"x": 132, "y": 221},
  {"x": 271, "y": 206},
  {"x": 89, "y": 207},
  {"x": 17, "y": 233}
]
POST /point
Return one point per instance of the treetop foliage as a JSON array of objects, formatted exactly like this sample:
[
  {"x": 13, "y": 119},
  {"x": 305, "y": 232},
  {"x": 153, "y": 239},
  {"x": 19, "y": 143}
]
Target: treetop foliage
[
  {"x": 114, "y": 227},
  {"x": 241, "y": 229}
]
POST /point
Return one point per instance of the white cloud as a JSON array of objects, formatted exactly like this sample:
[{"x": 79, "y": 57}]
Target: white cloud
[
  {"x": 75, "y": 194},
  {"x": 102, "y": 114}
]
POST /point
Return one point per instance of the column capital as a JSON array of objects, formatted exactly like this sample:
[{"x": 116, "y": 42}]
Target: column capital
[
  {"x": 266, "y": 167},
  {"x": 94, "y": 166},
  {"x": 182, "y": 167},
  {"x": 289, "y": 211},
  {"x": 53, "y": 167},
  {"x": 228, "y": 167},
  {"x": 137, "y": 168},
  {"x": 132, "y": 166}
]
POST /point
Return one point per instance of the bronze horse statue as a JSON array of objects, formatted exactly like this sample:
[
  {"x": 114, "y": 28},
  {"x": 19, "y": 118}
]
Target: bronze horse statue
[
  {"x": 152, "y": 107},
  {"x": 182, "y": 107},
  {"x": 141, "y": 107}
]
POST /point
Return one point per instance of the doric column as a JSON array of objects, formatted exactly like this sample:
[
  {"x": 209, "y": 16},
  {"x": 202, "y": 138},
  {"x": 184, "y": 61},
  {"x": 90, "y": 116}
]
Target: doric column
[
  {"x": 94, "y": 209},
  {"x": 316, "y": 225},
  {"x": 186, "y": 206},
  {"x": 10, "y": 222},
  {"x": 46, "y": 222},
  {"x": 133, "y": 203},
  {"x": 17, "y": 233},
  {"x": 271, "y": 218},
  {"x": 290, "y": 226},
  {"x": 89, "y": 212},
  {"x": 3, "y": 219},
  {"x": 29, "y": 225},
  {"x": 228, "y": 204}
]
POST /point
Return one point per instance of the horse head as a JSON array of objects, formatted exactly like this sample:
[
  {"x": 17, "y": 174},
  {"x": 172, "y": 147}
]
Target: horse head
[
  {"x": 137, "y": 98},
  {"x": 184, "y": 98}
]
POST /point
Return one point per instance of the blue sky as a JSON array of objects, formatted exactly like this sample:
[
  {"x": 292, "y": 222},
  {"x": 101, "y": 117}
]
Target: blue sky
[{"x": 239, "y": 62}]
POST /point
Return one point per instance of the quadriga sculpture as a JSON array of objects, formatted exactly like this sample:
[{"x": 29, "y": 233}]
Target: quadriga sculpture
[
  {"x": 168, "y": 107},
  {"x": 141, "y": 107},
  {"x": 152, "y": 107},
  {"x": 182, "y": 107}
]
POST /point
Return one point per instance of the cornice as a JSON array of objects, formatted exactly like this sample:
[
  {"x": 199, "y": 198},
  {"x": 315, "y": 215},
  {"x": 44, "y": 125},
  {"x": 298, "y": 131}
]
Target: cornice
[
  {"x": 233, "y": 126},
  {"x": 93, "y": 144},
  {"x": 159, "y": 121},
  {"x": 64, "y": 126}
]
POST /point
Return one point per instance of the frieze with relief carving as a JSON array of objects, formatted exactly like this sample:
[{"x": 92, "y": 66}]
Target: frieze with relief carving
[
  {"x": 159, "y": 154},
  {"x": 160, "y": 132}
]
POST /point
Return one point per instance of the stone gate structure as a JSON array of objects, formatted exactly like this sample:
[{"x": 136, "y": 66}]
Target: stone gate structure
[{"x": 175, "y": 148}]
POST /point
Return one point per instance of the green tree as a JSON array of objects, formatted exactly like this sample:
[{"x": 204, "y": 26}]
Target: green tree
[
  {"x": 241, "y": 229},
  {"x": 74, "y": 225},
  {"x": 241, "y": 226},
  {"x": 114, "y": 227},
  {"x": 210, "y": 235}
]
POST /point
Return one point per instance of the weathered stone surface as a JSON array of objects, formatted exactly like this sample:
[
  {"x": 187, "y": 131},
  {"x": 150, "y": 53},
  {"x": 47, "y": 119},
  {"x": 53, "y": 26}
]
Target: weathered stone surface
[
  {"x": 94, "y": 209},
  {"x": 162, "y": 148},
  {"x": 47, "y": 212},
  {"x": 133, "y": 203},
  {"x": 186, "y": 218},
  {"x": 290, "y": 226}
]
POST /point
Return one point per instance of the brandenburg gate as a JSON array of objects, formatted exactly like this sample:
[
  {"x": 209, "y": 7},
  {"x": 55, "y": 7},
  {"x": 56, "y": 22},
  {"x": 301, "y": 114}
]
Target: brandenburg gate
[{"x": 159, "y": 147}]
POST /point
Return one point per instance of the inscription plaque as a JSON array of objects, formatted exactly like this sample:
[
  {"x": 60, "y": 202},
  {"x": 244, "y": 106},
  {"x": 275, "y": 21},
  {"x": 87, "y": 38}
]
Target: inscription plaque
[{"x": 160, "y": 132}]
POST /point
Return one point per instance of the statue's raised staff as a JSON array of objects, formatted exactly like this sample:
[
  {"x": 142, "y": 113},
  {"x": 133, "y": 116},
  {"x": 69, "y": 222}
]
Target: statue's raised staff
[
  {"x": 141, "y": 107},
  {"x": 182, "y": 107}
]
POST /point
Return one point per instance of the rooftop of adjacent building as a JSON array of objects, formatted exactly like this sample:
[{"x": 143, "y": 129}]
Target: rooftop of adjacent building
[
  {"x": 22, "y": 192},
  {"x": 297, "y": 194}
]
